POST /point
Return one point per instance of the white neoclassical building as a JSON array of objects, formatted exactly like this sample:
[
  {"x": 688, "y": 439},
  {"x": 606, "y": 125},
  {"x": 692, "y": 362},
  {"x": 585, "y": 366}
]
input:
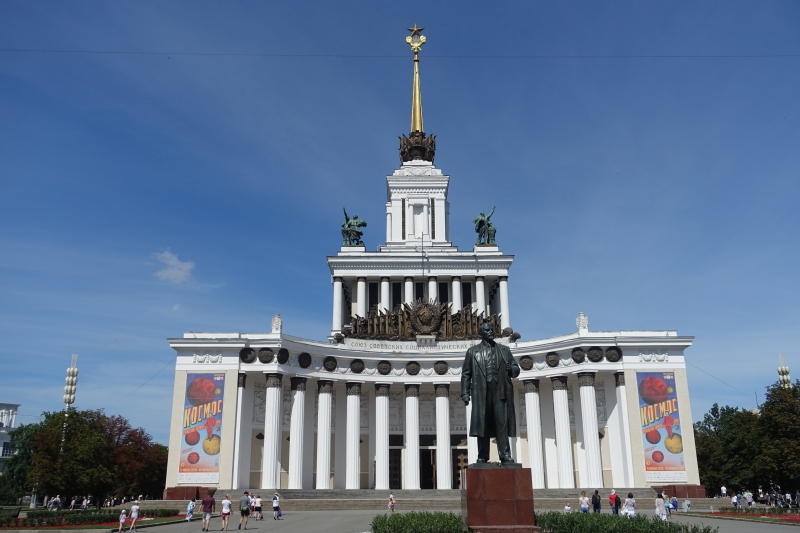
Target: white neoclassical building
[{"x": 377, "y": 404}]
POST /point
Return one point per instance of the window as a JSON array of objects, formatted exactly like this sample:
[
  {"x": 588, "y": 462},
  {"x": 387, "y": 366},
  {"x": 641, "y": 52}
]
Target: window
[
  {"x": 6, "y": 449},
  {"x": 466, "y": 294},
  {"x": 373, "y": 299},
  {"x": 397, "y": 294},
  {"x": 419, "y": 291},
  {"x": 444, "y": 292}
]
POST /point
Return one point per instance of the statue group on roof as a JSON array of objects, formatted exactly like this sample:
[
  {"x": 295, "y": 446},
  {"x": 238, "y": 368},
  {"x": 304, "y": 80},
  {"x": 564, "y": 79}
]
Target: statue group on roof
[
  {"x": 484, "y": 228},
  {"x": 351, "y": 230}
]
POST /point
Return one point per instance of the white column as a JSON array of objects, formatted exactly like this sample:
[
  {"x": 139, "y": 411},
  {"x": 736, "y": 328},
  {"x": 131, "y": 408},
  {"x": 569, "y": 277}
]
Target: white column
[
  {"x": 388, "y": 222},
  {"x": 237, "y": 439},
  {"x": 472, "y": 442},
  {"x": 444, "y": 461},
  {"x": 382, "y": 436},
  {"x": 411, "y": 468},
  {"x": 433, "y": 287},
  {"x": 353, "y": 463},
  {"x": 408, "y": 297},
  {"x": 361, "y": 297},
  {"x": 622, "y": 405},
  {"x": 456, "y": 298},
  {"x": 533, "y": 419},
  {"x": 270, "y": 470},
  {"x": 480, "y": 295},
  {"x": 296, "y": 437},
  {"x": 591, "y": 438},
  {"x": 324, "y": 434},
  {"x": 566, "y": 474},
  {"x": 505, "y": 316},
  {"x": 337, "y": 304},
  {"x": 386, "y": 305}
]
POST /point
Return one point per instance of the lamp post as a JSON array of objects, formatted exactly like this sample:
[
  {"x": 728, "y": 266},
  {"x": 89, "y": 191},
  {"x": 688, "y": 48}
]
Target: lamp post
[
  {"x": 783, "y": 374},
  {"x": 69, "y": 394}
]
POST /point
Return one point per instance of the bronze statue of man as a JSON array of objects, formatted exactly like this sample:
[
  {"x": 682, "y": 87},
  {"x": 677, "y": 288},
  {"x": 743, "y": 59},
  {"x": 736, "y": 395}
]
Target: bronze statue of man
[{"x": 486, "y": 380}]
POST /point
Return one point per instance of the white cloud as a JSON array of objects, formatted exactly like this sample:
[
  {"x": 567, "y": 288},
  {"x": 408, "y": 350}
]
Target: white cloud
[{"x": 175, "y": 271}]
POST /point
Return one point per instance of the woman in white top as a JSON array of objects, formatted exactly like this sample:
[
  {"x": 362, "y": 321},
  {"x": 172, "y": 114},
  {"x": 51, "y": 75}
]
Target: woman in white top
[
  {"x": 276, "y": 507},
  {"x": 629, "y": 509},
  {"x": 226, "y": 511},
  {"x": 134, "y": 515},
  {"x": 661, "y": 508},
  {"x": 257, "y": 508},
  {"x": 584, "y": 502}
]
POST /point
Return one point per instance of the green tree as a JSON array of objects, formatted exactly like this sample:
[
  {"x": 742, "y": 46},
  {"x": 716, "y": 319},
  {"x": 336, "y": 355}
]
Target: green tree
[
  {"x": 779, "y": 423},
  {"x": 728, "y": 442},
  {"x": 83, "y": 464},
  {"x": 140, "y": 464},
  {"x": 14, "y": 481}
]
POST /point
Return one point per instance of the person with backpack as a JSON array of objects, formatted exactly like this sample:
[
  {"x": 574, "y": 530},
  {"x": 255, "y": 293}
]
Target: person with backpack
[
  {"x": 615, "y": 502},
  {"x": 596, "y": 501}
]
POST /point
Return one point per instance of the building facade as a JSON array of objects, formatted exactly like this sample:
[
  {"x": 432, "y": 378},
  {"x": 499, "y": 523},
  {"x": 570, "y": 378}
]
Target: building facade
[
  {"x": 8, "y": 421},
  {"x": 377, "y": 404}
]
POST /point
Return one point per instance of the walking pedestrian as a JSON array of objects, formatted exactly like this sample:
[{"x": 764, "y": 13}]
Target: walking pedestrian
[
  {"x": 391, "y": 501},
  {"x": 209, "y": 506},
  {"x": 584, "y": 502},
  {"x": 614, "y": 502},
  {"x": 134, "y": 515},
  {"x": 122, "y": 518},
  {"x": 190, "y": 510},
  {"x": 630, "y": 506},
  {"x": 244, "y": 509},
  {"x": 661, "y": 508},
  {"x": 257, "y": 508},
  {"x": 276, "y": 507},
  {"x": 596, "y": 501},
  {"x": 226, "y": 512}
]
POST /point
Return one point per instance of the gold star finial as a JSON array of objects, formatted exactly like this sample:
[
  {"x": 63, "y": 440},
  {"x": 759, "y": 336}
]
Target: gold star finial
[{"x": 416, "y": 39}]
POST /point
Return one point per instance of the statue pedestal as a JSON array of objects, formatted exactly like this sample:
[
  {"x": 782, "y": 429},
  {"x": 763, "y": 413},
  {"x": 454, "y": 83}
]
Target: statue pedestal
[{"x": 498, "y": 499}]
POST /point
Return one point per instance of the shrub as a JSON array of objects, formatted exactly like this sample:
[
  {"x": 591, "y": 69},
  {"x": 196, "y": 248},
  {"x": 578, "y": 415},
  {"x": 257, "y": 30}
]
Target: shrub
[
  {"x": 73, "y": 518},
  {"x": 418, "y": 522},
  {"x": 553, "y": 522},
  {"x": 759, "y": 510}
]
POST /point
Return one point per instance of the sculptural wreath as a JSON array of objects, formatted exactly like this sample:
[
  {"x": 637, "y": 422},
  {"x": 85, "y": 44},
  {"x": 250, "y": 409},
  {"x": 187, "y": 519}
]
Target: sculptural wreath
[{"x": 426, "y": 317}]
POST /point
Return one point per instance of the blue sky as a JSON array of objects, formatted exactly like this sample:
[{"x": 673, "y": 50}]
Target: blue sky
[{"x": 157, "y": 187}]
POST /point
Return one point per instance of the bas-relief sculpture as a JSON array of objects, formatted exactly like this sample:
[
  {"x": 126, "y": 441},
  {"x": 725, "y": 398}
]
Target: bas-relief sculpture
[{"x": 486, "y": 381}]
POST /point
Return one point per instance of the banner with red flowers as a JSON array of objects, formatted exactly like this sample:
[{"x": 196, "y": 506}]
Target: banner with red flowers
[
  {"x": 202, "y": 428},
  {"x": 660, "y": 419}
]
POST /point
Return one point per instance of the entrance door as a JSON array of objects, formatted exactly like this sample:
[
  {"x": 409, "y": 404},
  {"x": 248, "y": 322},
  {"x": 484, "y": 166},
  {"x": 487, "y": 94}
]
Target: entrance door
[
  {"x": 427, "y": 469},
  {"x": 395, "y": 469},
  {"x": 459, "y": 462}
]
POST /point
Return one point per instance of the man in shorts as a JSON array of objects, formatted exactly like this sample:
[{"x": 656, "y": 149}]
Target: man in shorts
[
  {"x": 244, "y": 509},
  {"x": 209, "y": 506}
]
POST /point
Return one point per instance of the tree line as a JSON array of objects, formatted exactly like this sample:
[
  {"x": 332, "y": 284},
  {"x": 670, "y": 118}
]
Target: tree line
[
  {"x": 83, "y": 453},
  {"x": 742, "y": 449}
]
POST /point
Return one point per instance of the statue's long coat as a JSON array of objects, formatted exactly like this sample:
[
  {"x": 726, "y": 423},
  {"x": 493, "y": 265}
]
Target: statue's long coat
[{"x": 473, "y": 382}]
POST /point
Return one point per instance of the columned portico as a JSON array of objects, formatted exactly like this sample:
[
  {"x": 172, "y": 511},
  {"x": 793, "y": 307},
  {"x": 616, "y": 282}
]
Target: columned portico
[
  {"x": 456, "y": 290},
  {"x": 382, "y": 436},
  {"x": 271, "y": 469},
  {"x": 566, "y": 476},
  {"x": 533, "y": 421},
  {"x": 505, "y": 314},
  {"x": 622, "y": 405},
  {"x": 408, "y": 292},
  {"x": 385, "y": 302},
  {"x": 591, "y": 439},
  {"x": 353, "y": 463},
  {"x": 296, "y": 438},
  {"x": 480, "y": 295},
  {"x": 433, "y": 288},
  {"x": 444, "y": 466},
  {"x": 411, "y": 466},
  {"x": 361, "y": 297},
  {"x": 324, "y": 414},
  {"x": 237, "y": 443}
]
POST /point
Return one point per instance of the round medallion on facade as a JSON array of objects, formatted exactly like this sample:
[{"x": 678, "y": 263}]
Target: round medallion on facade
[
  {"x": 440, "y": 367},
  {"x": 552, "y": 359},
  {"x": 384, "y": 367},
  {"x": 304, "y": 360},
  {"x": 247, "y": 355},
  {"x": 595, "y": 354},
  {"x": 578, "y": 356},
  {"x": 613, "y": 354},
  {"x": 526, "y": 362},
  {"x": 329, "y": 364},
  {"x": 283, "y": 356},
  {"x": 357, "y": 366},
  {"x": 266, "y": 355},
  {"x": 412, "y": 368},
  {"x": 425, "y": 317}
]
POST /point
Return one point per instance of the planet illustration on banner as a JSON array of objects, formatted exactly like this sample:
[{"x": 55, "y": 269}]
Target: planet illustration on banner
[
  {"x": 192, "y": 438},
  {"x": 211, "y": 446},
  {"x": 653, "y": 436},
  {"x": 658, "y": 456},
  {"x": 654, "y": 390},
  {"x": 674, "y": 443},
  {"x": 193, "y": 458},
  {"x": 201, "y": 391}
]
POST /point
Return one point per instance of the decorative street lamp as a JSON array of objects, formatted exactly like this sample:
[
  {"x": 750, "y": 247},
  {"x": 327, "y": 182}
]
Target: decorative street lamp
[
  {"x": 69, "y": 394},
  {"x": 783, "y": 374}
]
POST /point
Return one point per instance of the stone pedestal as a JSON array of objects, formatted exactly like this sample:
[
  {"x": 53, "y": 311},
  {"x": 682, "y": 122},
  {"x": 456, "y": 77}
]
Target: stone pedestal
[{"x": 498, "y": 499}]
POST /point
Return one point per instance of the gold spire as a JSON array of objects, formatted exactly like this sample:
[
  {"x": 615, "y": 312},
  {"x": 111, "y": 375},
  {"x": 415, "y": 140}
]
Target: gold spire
[{"x": 416, "y": 40}]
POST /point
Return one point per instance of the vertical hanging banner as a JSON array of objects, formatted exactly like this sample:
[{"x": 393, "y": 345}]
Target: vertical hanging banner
[
  {"x": 660, "y": 418},
  {"x": 202, "y": 428}
]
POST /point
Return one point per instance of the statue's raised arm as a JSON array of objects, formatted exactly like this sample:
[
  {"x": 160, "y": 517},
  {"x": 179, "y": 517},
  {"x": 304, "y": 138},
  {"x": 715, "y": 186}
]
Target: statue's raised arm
[
  {"x": 346, "y": 218},
  {"x": 490, "y": 214}
]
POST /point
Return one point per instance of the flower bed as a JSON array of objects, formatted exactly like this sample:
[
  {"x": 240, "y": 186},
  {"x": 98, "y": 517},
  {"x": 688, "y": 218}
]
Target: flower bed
[
  {"x": 79, "y": 518},
  {"x": 553, "y": 522}
]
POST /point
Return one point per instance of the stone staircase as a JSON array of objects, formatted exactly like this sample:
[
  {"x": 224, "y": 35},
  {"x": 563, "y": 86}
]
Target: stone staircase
[{"x": 406, "y": 500}]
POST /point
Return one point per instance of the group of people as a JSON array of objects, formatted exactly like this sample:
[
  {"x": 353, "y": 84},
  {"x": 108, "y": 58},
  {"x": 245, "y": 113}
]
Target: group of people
[
  {"x": 741, "y": 499},
  {"x": 249, "y": 505},
  {"x": 664, "y": 505}
]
